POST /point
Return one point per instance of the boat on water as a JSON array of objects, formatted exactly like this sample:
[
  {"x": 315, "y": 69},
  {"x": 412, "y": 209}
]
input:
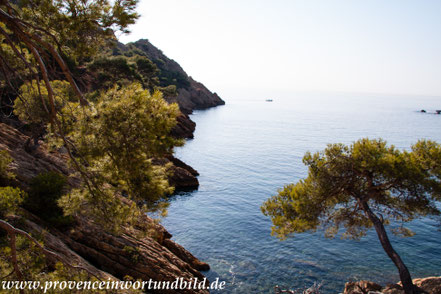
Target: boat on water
[{"x": 424, "y": 111}]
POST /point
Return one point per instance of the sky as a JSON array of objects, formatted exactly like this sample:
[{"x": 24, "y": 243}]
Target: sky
[{"x": 362, "y": 46}]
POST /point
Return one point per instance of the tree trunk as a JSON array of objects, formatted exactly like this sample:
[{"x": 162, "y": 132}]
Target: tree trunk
[{"x": 406, "y": 280}]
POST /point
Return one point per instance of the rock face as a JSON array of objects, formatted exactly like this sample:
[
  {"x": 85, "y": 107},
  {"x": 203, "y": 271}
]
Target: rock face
[
  {"x": 191, "y": 94},
  {"x": 35, "y": 159},
  {"x": 30, "y": 160},
  {"x": 137, "y": 254},
  {"x": 184, "y": 176},
  {"x": 197, "y": 96},
  {"x": 184, "y": 128},
  {"x": 430, "y": 285},
  {"x": 114, "y": 257},
  {"x": 361, "y": 287}
]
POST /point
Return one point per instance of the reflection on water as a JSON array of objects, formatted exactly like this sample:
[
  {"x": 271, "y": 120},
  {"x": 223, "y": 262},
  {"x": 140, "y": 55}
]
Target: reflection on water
[{"x": 248, "y": 149}]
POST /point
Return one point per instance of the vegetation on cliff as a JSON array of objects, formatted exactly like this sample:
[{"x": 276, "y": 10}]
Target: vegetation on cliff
[
  {"x": 60, "y": 78},
  {"x": 350, "y": 189}
]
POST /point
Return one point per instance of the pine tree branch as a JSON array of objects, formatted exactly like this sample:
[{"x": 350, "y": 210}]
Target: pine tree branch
[{"x": 12, "y": 232}]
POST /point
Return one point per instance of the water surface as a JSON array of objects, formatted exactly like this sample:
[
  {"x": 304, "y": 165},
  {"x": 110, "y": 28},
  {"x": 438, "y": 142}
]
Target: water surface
[{"x": 249, "y": 148}]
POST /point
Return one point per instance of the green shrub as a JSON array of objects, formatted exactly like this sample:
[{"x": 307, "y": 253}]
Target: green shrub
[
  {"x": 10, "y": 199},
  {"x": 45, "y": 190},
  {"x": 30, "y": 107},
  {"x": 168, "y": 77},
  {"x": 133, "y": 253},
  {"x": 5, "y": 160}
]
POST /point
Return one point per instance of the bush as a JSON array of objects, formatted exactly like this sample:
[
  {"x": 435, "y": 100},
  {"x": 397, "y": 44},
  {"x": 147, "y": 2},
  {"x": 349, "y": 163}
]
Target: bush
[
  {"x": 10, "y": 199},
  {"x": 119, "y": 136},
  {"x": 5, "y": 160},
  {"x": 29, "y": 107},
  {"x": 45, "y": 190}
]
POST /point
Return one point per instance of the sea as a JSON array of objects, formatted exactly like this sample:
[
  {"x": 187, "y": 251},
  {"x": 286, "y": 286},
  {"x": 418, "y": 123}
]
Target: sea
[{"x": 248, "y": 149}]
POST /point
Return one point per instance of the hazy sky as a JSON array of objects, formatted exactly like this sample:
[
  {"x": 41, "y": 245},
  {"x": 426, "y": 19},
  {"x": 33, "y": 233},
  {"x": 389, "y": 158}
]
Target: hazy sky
[{"x": 373, "y": 46}]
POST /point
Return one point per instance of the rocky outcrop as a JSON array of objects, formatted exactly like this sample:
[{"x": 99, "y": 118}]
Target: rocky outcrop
[
  {"x": 30, "y": 160},
  {"x": 134, "y": 253},
  {"x": 183, "y": 177},
  {"x": 107, "y": 256},
  {"x": 430, "y": 285},
  {"x": 361, "y": 287},
  {"x": 184, "y": 128},
  {"x": 183, "y": 180},
  {"x": 196, "y": 96},
  {"x": 191, "y": 94},
  {"x": 144, "y": 257}
]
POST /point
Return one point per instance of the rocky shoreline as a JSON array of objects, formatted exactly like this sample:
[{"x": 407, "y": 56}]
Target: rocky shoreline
[
  {"x": 191, "y": 96},
  {"x": 194, "y": 96},
  {"x": 430, "y": 285},
  {"x": 133, "y": 253},
  {"x": 144, "y": 251}
]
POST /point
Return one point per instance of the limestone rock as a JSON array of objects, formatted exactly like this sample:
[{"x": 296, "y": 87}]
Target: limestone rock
[{"x": 141, "y": 258}]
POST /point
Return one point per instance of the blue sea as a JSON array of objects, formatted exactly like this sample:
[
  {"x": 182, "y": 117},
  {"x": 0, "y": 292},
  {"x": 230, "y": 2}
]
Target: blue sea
[{"x": 248, "y": 149}]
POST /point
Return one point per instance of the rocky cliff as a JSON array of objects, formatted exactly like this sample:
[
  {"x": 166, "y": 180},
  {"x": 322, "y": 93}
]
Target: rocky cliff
[
  {"x": 134, "y": 253},
  {"x": 191, "y": 94}
]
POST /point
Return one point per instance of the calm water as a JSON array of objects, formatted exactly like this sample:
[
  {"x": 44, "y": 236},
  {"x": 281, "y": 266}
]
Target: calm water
[{"x": 248, "y": 149}]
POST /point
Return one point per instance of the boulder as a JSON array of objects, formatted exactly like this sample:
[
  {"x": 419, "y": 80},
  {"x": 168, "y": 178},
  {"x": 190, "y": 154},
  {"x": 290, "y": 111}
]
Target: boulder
[
  {"x": 430, "y": 285},
  {"x": 185, "y": 127},
  {"x": 361, "y": 287}
]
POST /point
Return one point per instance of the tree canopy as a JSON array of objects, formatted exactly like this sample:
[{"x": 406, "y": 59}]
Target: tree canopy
[
  {"x": 57, "y": 72},
  {"x": 120, "y": 136},
  {"x": 49, "y": 43},
  {"x": 44, "y": 39},
  {"x": 350, "y": 189}
]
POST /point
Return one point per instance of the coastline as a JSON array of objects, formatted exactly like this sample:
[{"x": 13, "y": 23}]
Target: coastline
[{"x": 144, "y": 252}]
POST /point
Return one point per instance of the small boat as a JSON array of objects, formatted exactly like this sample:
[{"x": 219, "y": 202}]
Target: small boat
[{"x": 269, "y": 100}]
